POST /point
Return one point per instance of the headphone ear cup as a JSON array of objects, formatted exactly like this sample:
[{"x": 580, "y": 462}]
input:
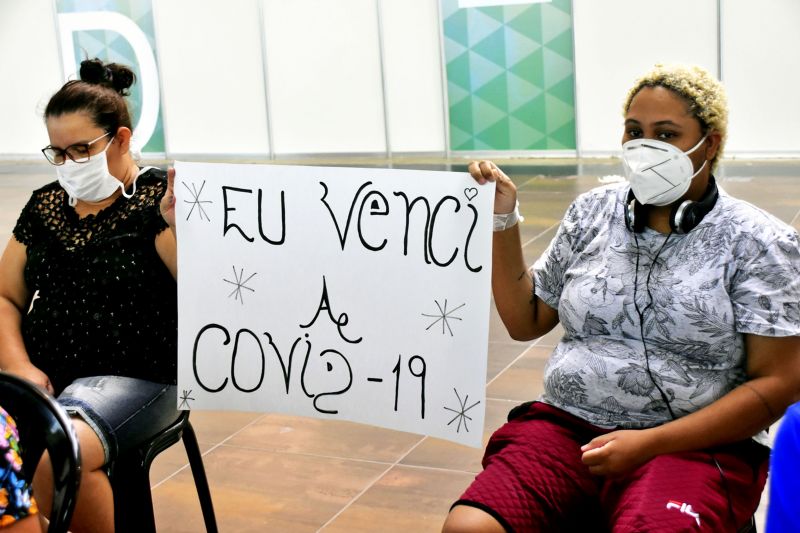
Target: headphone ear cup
[
  {"x": 630, "y": 216},
  {"x": 639, "y": 213},
  {"x": 635, "y": 214},
  {"x": 680, "y": 216}
]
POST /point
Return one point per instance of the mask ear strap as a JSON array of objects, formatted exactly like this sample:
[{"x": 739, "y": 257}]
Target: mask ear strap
[
  {"x": 699, "y": 169},
  {"x": 125, "y": 193},
  {"x": 696, "y": 146}
]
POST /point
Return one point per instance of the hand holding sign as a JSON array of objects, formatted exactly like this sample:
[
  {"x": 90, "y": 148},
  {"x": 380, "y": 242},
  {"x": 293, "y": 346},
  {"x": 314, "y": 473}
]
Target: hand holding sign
[{"x": 357, "y": 294}]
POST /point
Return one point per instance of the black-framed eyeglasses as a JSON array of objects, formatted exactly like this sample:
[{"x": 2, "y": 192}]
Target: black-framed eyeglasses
[{"x": 78, "y": 153}]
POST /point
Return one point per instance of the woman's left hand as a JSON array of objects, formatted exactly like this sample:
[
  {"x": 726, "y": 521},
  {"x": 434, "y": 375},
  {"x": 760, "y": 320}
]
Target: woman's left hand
[
  {"x": 618, "y": 452},
  {"x": 168, "y": 200}
]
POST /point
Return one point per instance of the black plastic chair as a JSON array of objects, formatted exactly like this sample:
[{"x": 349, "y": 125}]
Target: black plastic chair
[
  {"x": 44, "y": 425},
  {"x": 130, "y": 479}
]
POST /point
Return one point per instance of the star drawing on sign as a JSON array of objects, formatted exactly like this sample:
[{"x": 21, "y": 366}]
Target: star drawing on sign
[
  {"x": 443, "y": 316},
  {"x": 196, "y": 201},
  {"x": 461, "y": 412},
  {"x": 240, "y": 284},
  {"x": 185, "y": 399}
]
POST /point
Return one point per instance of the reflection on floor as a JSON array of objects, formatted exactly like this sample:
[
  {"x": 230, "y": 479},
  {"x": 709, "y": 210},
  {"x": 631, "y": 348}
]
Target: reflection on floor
[{"x": 281, "y": 473}]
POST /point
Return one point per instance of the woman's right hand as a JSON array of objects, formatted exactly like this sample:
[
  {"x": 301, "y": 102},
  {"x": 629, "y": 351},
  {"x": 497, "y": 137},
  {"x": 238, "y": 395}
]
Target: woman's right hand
[
  {"x": 29, "y": 371},
  {"x": 505, "y": 196}
]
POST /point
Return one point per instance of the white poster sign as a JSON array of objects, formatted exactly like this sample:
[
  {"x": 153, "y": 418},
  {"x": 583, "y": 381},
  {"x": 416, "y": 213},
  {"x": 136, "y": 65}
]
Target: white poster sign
[
  {"x": 341, "y": 293},
  {"x": 487, "y": 3}
]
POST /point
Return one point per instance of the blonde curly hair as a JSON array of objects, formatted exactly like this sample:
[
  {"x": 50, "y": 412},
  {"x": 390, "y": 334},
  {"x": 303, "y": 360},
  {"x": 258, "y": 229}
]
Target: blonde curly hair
[{"x": 703, "y": 93}]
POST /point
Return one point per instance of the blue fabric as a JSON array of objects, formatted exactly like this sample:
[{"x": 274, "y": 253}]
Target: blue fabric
[{"x": 783, "y": 513}]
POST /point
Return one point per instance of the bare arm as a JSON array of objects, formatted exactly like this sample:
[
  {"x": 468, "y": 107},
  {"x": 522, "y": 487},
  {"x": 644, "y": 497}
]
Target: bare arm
[
  {"x": 773, "y": 366},
  {"x": 166, "y": 241},
  {"x": 525, "y": 316},
  {"x": 14, "y": 298}
]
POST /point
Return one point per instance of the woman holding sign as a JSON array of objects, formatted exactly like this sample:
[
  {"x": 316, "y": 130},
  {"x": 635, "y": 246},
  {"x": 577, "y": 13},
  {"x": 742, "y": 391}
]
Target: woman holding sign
[
  {"x": 680, "y": 312},
  {"x": 87, "y": 286}
]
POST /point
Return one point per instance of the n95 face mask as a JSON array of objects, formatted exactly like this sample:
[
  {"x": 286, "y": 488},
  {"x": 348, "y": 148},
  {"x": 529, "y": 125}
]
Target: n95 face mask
[
  {"x": 659, "y": 173},
  {"x": 90, "y": 181}
]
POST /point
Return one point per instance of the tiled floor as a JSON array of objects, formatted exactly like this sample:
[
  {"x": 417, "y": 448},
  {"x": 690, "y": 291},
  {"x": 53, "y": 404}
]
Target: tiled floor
[{"x": 281, "y": 473}]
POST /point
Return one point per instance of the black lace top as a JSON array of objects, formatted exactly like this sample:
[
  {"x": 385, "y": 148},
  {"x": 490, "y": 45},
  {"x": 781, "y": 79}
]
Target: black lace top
[{"x": 103, "y": 302}]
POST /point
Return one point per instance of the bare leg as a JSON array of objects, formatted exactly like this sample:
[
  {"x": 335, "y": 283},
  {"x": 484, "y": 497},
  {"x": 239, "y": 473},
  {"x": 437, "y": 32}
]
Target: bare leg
[
  {"x": 94, "y": 511},
  {"x": 467, "y": 519}
]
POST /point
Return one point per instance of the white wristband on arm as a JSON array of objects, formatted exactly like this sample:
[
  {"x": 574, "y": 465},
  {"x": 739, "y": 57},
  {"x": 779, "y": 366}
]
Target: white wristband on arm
[{"x": 507, "y": 220}]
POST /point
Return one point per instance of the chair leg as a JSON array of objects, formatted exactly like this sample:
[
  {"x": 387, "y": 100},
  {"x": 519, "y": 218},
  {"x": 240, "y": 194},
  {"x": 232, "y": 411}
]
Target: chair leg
[
  {"x": 133, "y": 502},
  {"x": 200, "y": 479}
]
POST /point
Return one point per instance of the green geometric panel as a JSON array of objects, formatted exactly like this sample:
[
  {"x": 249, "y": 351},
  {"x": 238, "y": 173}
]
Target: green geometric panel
[
  {"x": 563, "y": 136},
  {"x": 498, "y": 133},
  {"x": 456, "y": 93},
  {"x": 461, "y": 114},
  {"x": 531, "y": 67},
  {"x": 455, "y": 27},
  {"x": 555, "y": 22},
  {"x": 481, "y": 26},
  {"x": 110, "y": 46},
  {"x": 495, "y": 92},
  {"x": 556, "y": 67},
  {"x": 533, "y": 113},
  {"x": 527, "y": 22},
  {"x": 493, "y": 47},
  {"x": 520, "y": 92},
  {"x": 458, "y": 71},
  {"x": 523, "y": 135},
  {"x": 484, "y": 114},
  {"x": 564, "y": 90},
  {"x": 461, "y": 139},
  {"x": 511, "y": 81},
  {"x": 518, "y": 46},
  {"x": 562, "y": 44},
  {"x": 557, "y": 113},
  {"x": 453, "y": 48},
  {"x": 481, "y": 70}
]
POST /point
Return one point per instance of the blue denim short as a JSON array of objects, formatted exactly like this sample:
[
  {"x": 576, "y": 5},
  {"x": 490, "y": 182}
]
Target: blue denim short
[{"x": 124, "y": 412}]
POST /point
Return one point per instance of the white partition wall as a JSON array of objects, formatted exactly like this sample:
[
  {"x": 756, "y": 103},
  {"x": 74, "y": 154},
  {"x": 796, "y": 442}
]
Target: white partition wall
[
  {"x": 618, "y": 40},
  {"x": 30, "y": 72},
  {"x": 261, "y": 78},
  {"x": 413, "y": 73},
  {"x": 212, "y": 77},
  {"x": 324, "y": 76},
  {"x": 761, "y": 70}
]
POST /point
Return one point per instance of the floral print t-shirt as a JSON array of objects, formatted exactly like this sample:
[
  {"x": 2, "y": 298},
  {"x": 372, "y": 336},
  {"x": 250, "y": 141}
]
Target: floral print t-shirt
[
  {"x": 15, "y": 492},
  {"x": 697, "y": 294}
]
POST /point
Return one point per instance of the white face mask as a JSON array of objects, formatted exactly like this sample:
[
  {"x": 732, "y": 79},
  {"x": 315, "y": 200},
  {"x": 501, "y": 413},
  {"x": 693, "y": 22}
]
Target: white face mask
[
  {"x": 659, "y": 172},
  {"x": 90, "y": 181}
]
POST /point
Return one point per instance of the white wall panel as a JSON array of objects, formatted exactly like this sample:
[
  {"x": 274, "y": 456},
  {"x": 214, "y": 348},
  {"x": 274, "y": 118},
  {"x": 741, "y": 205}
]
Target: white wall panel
[
  {"x": 30, "y": 72},
  {"x": 618, "y": 40},
  {"x": 761, "y": 71},
  {"x": 324, "y": 77},
  {"x": 211, "y": 76},
  {"x": 413, "y": 73}
]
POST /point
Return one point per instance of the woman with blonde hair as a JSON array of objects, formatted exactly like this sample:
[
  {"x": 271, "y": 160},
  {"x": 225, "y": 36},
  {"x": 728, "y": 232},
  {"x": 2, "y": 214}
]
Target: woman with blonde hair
[{"x": 681, "y": 313}]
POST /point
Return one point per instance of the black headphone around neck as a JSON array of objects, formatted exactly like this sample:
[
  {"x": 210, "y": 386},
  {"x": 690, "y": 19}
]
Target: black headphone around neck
[{"x": 683, "y": 217}]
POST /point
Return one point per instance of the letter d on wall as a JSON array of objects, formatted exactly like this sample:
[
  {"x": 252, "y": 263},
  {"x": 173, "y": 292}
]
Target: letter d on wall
[{"x": 147, "y": 72}]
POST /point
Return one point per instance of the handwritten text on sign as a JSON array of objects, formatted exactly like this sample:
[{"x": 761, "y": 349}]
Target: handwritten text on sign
[{"x": 343, "y": 293}]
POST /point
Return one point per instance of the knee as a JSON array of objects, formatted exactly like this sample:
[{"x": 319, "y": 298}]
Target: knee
[{"x": 466, "y": 519}]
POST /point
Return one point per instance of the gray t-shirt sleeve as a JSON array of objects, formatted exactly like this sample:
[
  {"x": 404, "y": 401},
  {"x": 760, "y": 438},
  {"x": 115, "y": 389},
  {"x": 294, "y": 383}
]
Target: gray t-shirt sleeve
[
  {"x": 548, "y": 271},
  {"x": 765, "y": 290}
]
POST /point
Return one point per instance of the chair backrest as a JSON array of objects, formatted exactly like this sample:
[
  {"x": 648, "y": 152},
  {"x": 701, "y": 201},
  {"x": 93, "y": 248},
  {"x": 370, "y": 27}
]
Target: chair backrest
[{"x": 44, "y": 425}]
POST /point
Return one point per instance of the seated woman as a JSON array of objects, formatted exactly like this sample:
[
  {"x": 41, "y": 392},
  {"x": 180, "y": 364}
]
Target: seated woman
[
  {"x": 17, "y": 507},
  {"x": 88, "y": 304},
  {"x": 680, "y": 311}
]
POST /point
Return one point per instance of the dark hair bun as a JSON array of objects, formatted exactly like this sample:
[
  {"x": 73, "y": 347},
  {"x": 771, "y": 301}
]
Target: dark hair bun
[{"x": 112, "y": 75}]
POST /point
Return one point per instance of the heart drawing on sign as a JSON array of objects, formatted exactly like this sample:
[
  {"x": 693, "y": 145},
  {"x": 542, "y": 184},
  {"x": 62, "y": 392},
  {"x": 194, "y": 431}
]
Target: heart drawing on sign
[{"x": 470, "y": 193}]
